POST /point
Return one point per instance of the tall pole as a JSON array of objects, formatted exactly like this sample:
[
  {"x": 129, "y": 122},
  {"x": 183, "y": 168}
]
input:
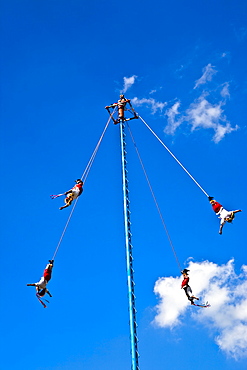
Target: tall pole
[{"x": 129, "y": 257}]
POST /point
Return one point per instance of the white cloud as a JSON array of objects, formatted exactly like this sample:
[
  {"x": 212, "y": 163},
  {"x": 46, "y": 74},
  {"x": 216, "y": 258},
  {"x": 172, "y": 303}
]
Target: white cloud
[
  {"x": 226, "y": 292},
  {"x": 221, "y": 131},
  {"x": 203, "y": 114},
  {"x": 128, "y": 82},
  {"x": 155, "y": 105},
  {"x": 225, "y": 90},
  {"x": 171, "y": 114},
  {"x": 208, "y": 73},
  {"x": 226, "y": 55}
]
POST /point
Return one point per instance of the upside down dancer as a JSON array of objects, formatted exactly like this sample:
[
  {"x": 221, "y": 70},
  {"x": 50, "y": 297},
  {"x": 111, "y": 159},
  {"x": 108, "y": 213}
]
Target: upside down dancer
[
  {"x": 224, "y": 215},
  {"x": 41, "y": 285}
]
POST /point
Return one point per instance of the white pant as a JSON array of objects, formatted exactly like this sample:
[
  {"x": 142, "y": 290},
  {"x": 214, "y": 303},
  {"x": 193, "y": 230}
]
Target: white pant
[
  {"x": 42, "y": 283},
  {"x": 223, "y": 214}
]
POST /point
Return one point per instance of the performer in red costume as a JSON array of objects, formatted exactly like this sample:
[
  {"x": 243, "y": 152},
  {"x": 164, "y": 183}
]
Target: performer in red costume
[
  {"x": 185, "y": 286},
  {"x": 224, "y": 215},
  {"x": 41, "y": 285},
  {"x": 72, "y": 194}
]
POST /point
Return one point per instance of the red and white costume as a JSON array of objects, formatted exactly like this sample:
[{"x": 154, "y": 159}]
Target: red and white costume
[
  {"x": 76, "y": 191},
  {"x": 187, "y": 289},
  {"x": 45, "y": 278},
  {"x": 221, "y": 212}
]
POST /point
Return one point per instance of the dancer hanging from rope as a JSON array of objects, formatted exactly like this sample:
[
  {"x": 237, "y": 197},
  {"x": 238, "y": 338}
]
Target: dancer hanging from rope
[
  {"x": 121, "y": 104},
  {"x": 224, "y": 215},
  {"x": 71, "y": 194},
  {"x": 188, "y": 291},
  {"x": 41, "y": 285},
  {"x": 186, "y": 287}
]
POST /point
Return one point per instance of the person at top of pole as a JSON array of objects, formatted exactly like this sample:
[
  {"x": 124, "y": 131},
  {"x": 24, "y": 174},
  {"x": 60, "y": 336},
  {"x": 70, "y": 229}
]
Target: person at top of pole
[
  {"x": 122, "y": 101},
  {"x": 41, "y": 285},
  {"x": 224, "y": 215},
  {"x": 185, "y": 286},
  {"x": 121, "y": 108}
]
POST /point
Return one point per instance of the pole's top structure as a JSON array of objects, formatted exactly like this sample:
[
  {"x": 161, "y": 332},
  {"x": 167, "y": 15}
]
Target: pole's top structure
[{"x": 117, "y": 110}]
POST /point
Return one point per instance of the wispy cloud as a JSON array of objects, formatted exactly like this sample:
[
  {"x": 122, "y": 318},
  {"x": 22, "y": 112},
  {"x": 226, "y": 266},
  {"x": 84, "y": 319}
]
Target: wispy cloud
[
  {"x": 154, "y": 104},
  {"x": 226, "y": 55},
  {"x": 208, "y": 73},
  {"x": 202, "y": 114},
  {"x": 225, "y": 90},
  {"x": 173, "y": 123},
  {"x": 128, "y": 82},
  {"x": 226, "y": 292}
]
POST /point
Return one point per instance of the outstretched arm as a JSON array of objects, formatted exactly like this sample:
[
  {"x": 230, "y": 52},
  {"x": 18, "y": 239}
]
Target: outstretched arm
[
  {"x": 56, "y": 196},
  {"x": 111, "y": 106},
  {"x": 238, "y": 210},
  {"x": 67, "y": 192}
]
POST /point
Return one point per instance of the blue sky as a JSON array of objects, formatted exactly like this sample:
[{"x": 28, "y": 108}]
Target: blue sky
[{"x": 183, "y": 64}]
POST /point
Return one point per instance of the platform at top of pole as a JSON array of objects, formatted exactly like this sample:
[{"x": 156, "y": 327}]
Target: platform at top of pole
[{"x": 122, "y": 110}]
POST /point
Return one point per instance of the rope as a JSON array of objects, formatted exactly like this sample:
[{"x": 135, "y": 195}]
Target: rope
[
  {"x": 155, "y": 201},
  {"x": 174, "y": 157},
  {"x": 84, "y": 176},
  {"x": 64, "y": 230},
  {"x": 89, "y": 165}
]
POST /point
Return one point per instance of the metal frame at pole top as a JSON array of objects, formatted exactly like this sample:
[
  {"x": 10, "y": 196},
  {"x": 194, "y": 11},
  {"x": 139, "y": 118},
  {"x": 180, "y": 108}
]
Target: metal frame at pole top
[{"x": 129, "y": 257}]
